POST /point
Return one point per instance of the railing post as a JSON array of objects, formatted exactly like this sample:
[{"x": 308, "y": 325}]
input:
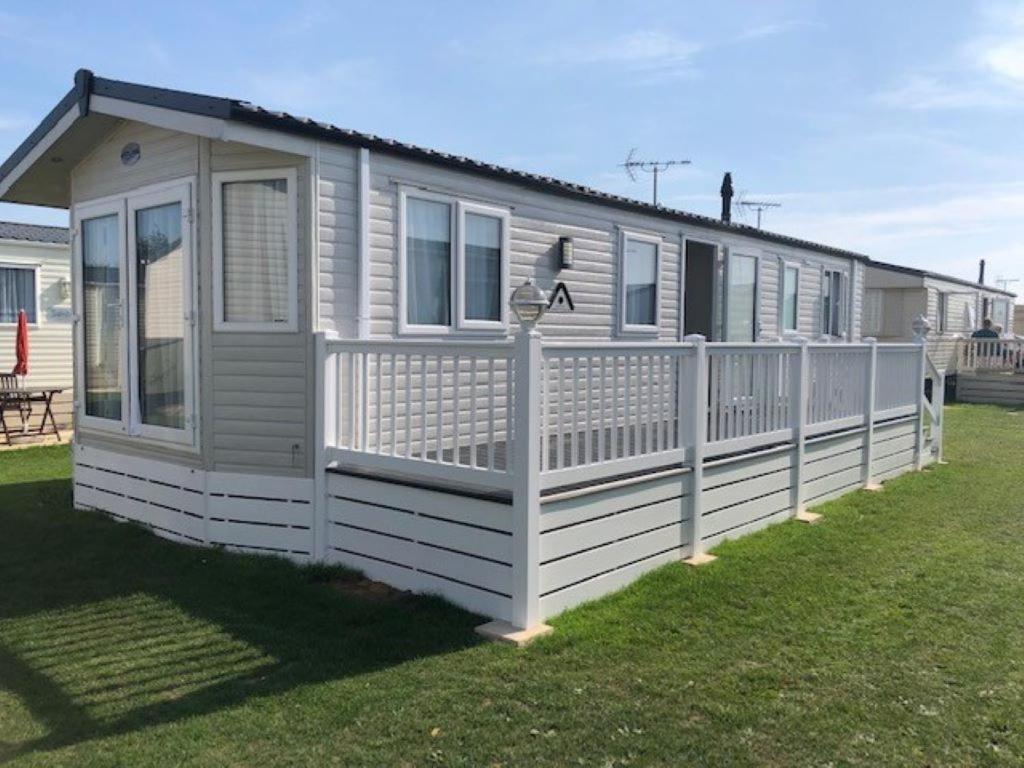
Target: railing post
[
  {"x": 802, "y": 394},
  {"x": 697, "y": 435},
  {"x": 938, "y": 403},
  {"x": 526, "y": 481},
  {"x": 325, "y": 426},
  {"x": 922, "y": 368},
  {"x": 869, "y": 415}
]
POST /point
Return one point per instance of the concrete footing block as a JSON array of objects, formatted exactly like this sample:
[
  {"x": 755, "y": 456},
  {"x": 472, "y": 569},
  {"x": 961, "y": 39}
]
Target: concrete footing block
[
  {"x": 874, "y": 487},
  {"x": 503, "y": 632},
  {"x": 702, "y": 559},
  {"x": 807, "y": 517}
]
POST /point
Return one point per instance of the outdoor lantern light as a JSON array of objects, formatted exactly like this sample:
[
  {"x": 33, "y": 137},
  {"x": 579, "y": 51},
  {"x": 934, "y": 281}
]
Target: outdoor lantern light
[
  {"x": 529, "y": 303},
  {"x": 921, "y": 326},
  {"x": 64, "y": 288}
]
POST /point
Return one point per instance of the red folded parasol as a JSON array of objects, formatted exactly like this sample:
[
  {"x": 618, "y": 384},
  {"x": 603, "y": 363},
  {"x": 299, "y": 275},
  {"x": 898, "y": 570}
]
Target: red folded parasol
[{"x": 21, "y": 345}]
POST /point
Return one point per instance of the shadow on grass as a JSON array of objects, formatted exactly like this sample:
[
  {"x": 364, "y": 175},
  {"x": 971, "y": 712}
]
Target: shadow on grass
[{"x": 106, "y": 628}]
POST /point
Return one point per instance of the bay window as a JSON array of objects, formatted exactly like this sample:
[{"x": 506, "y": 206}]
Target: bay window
[
  {"x": 453, "y": 265},
  {"x": 19, "y": 290},
  {"x": 640, "y": 270},
  {"x": 255, "y": 260}
]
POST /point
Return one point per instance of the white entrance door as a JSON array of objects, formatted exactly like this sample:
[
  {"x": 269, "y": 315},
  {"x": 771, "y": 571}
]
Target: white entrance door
[{"x": 740, "y": 297}]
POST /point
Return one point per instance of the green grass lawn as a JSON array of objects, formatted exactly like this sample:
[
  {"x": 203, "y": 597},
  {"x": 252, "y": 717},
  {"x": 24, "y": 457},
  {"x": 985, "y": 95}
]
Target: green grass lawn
[{"x": 892, "y": 633}]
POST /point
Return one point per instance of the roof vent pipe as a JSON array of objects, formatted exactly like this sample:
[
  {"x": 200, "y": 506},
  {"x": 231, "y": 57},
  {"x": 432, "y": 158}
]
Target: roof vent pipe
[
  {"x": 981, "y": 272},
  {"x": 727, "y": 198}
]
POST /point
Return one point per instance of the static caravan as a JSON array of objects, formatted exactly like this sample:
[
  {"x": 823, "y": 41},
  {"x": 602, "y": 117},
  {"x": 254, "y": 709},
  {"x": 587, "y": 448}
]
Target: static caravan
[
  {"x": 514, "y": 391},
  {"x": 895, "y": 296},
  {"x": 35, "y": 276}
]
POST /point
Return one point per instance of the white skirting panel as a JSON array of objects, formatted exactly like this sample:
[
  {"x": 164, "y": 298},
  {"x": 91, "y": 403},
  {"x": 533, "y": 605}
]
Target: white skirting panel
[
  {"x": 242, "y": 512},
  {"x": 595, "y": 543},
  {"x": 427, "y": 541},
  {"x": 742, "y": 495}
]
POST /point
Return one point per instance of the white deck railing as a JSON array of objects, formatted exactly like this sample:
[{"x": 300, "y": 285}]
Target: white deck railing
[
  {"x": 995, "y": 355},
  {"x": 445, "y": 410}
]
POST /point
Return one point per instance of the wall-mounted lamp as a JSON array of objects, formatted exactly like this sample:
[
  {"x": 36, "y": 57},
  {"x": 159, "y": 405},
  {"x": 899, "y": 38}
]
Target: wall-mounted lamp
[
  {"x": 565, "y": 253},
  {"x": 64, "y": 289},
  {"x": 529, "y": 304}
]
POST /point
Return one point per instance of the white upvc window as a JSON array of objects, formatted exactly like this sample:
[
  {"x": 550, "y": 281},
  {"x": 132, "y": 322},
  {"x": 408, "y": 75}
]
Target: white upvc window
[
  {"x": 639, "y": 283},
  {"x": 453, "y": 265},
  {"x": 135, "y": 299},
  {"x": 19, "y": 290},
  {"x": 942, "y": 312},
  {"x": 833, "y": 302},
  {"x": 789, "y": 296},
  {"x": 255, "y": 250}
]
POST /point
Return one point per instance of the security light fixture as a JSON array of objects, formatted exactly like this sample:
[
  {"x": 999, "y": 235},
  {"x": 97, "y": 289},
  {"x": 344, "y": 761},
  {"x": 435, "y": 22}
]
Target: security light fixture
[
  {"x": 529, "y": 304},
  {"x": 921, "y": 326}
]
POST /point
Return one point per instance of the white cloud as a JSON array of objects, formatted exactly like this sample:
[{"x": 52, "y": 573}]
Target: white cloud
[
  {"x": 987, "y": 72},
  {"x": 773, "y": 29},
  {"x": 648, "y": 52}
]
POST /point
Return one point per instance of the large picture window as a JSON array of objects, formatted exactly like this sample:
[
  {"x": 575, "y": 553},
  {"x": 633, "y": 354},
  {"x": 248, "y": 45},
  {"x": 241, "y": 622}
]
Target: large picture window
[
  {"x": 640, "y": 299},
  {"x": 18, "y": 291},
  {"x": 135, "y": 299},
  {"x": 255, "y": 251},
  {"x": 453, "y": 265}
]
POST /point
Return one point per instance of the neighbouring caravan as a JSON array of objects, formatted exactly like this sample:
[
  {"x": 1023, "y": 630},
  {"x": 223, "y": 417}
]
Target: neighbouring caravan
[
  {"x": 297, "y": 339},
  {"x": 35, "y": 275}
]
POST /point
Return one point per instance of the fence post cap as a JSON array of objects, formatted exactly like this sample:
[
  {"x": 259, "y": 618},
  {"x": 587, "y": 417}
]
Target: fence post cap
[
  {"x": 694, "y": 338},
  {"x": 870, "y": 340}
]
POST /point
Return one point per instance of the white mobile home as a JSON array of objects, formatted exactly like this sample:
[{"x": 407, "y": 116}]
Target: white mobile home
[
  {"x": 35, "y": 276},
  {"x": 295, "y": 338}
]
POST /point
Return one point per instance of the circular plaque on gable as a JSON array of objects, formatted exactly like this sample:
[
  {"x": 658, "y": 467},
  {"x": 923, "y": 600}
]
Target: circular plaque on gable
[{"x": 130, "y": 153}]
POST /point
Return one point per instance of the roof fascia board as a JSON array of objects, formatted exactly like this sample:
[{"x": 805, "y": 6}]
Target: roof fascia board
[
  {"x": 6, "y": 241},
  {"x": 59, "y": 129},
  {"x": 200, "y": 125}
]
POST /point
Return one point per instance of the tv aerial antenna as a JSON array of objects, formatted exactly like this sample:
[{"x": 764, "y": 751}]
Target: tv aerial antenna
[
  {"x": 653, "y": 167},
  {"x": 1004, "y": 283},
  {"x": 757, "y": 205}
]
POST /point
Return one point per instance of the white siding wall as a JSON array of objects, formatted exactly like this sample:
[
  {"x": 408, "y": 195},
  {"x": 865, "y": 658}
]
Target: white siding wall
[
  {"x": 537, "y": 221},
  {"x": 809, "y": 308},
  {"x": 255, "y": 389},
  {"x": 50, "y": 338},
  {"x": 338, "y": 227}
]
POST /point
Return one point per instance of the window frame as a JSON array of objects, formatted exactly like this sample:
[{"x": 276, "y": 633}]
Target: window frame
[
  {"x": 640, "y": 329},
  {"x": 844, "y": 319},
  {"x": 119, "y": 204},
  {"x": 181, "y": 193},
  {"x": 942, "y": 312},
  {"x": 34, "y": 268},
  {"x": 218, "y": 179},
  {"x": 458, "y": 208},
  {"x": 786, "y": 264}
]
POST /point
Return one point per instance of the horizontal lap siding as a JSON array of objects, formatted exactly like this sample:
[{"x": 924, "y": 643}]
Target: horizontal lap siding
[
  {"x": 261, "y": 384},
  {"x": 423, "y": 541},
  {"x": 537, "y": 222},
  {"x": 338, "y": 246},
  {"x": 50, "y": 338}
]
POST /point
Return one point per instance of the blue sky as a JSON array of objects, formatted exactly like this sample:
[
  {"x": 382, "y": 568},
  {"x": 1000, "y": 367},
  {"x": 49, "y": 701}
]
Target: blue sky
[{"x": 891, "y": 128}]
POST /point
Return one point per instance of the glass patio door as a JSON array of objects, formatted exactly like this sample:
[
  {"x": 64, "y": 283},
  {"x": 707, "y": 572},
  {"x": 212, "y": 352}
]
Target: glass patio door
[
  {"x": 741, "y": 297},
  {"x": 135, "y": 337}
]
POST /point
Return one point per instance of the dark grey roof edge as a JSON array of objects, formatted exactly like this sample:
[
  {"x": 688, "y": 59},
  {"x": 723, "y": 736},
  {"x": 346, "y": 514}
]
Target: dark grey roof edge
[
  {"x": 33, "y": 233},
  {"x": 938, "y": 276},
  {"x": 235, "y": 109}
]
